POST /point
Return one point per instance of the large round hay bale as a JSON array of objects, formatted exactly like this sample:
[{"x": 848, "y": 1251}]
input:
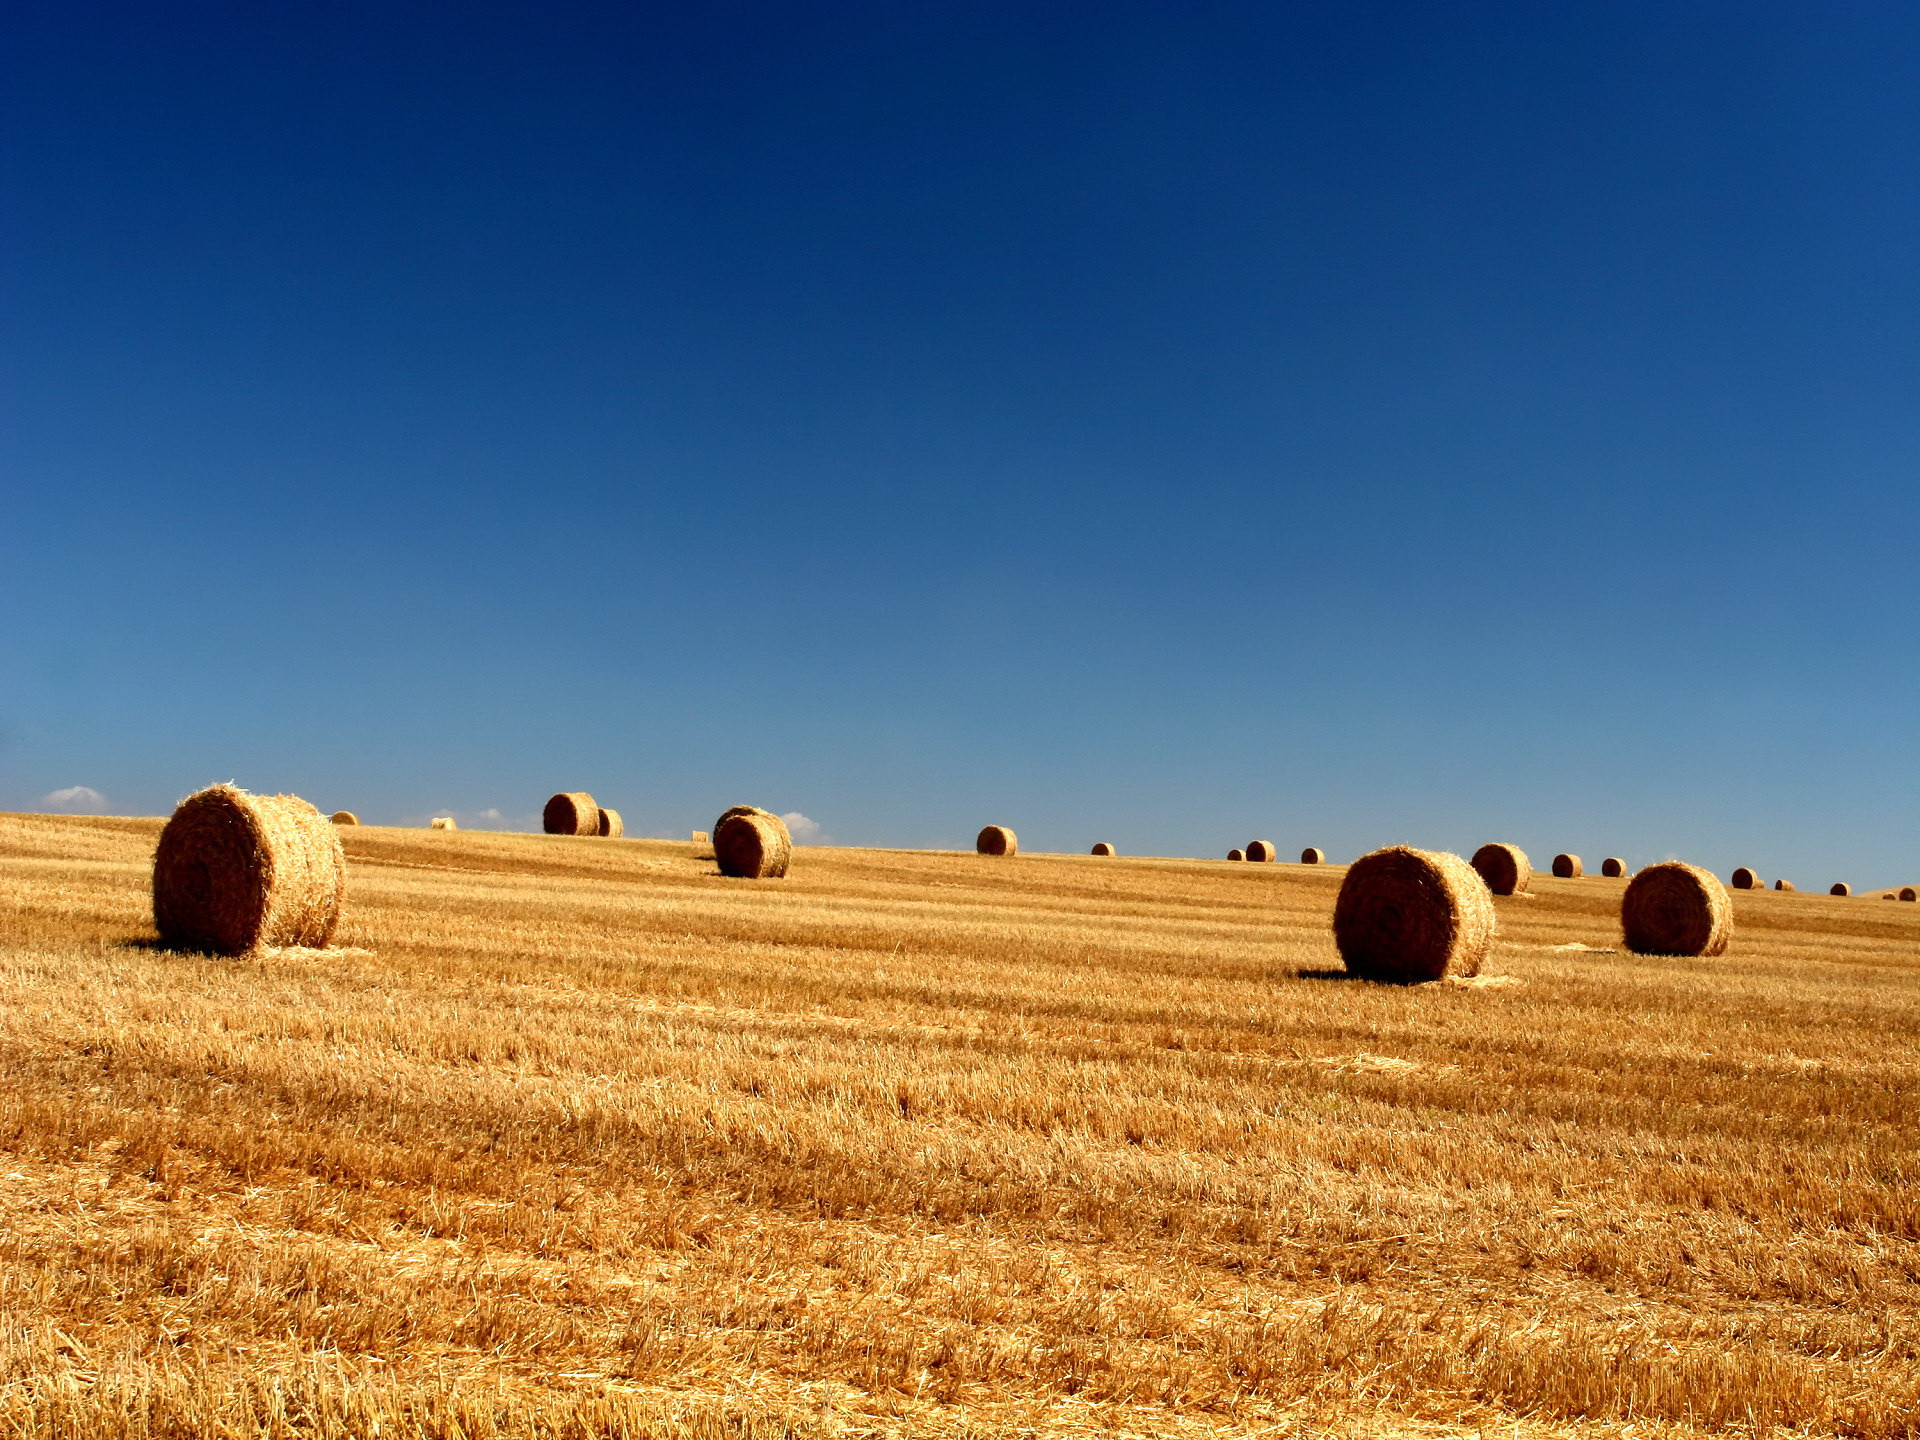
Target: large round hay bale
[
  {"x": 1405, "y": 916},
  {"x": 1907, "y": 892},
  {"x": 1505, "y": 868},
  {"x": 234, "y": 872},
  {"x": 571, "y": 812},
  {"x": 1786, "y": 885},
  {"x": 752, "y": 844},
  {"x": 345, "y": 817},
  {"x": 1236, "y": 855},
  {"x": 443, "y": 822},
  {"x": 1101, "y": 847},
  {"x": 1313, "y": 855},
  {"x": 1614, "y": 868},
  {"x": 1676, "y": 909},
  {"x": 1568, "y": 867},
  {"x": 1745, "y": 879},
  {"x": 997, "y": 840},
  {"x": 1840, "y": 887},
  {"x": 1261, "y": 851},
  {"x": 611, "y": 825}
]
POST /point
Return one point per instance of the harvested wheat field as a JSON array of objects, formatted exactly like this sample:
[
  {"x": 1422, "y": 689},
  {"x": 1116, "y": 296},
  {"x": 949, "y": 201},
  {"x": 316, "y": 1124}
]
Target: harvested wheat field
[{"x": 590, "y": 1140}]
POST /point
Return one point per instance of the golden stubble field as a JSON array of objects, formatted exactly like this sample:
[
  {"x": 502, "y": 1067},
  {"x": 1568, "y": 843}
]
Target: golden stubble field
[{"x": 576, "y": 1137}]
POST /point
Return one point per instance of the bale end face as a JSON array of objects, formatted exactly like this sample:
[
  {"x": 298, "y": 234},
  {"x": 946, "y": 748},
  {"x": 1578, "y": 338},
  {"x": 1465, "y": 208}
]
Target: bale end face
[
  {"x": 1101, "y": 847},
  {"x": 344, "y": 817},
  {"x": 1313, "y": 855},
  {"x": 1907, "y": 892},
  {"x": 1614, "y": 868},
  {"x": 611, "y": 825},
  {"x": 443, "y": 822},
  {"x": 1406, "y": 916},
  {"x": 1261, "y": 852},
  {"x": 1236, "y": 855},
  {"x": 1745, "y": 879},
  {"x": 1505, "y": 868},
  {"x": 1568, "y": 867},
  {"x": 997, "y": 840},
  {"x": 751, "y": 844},
  {"x": 571, "y": 812},
  {"x": 1840, "y": 887},
  {"x": 234, "y": 872},
  {"x": 1676, "y": 909}
]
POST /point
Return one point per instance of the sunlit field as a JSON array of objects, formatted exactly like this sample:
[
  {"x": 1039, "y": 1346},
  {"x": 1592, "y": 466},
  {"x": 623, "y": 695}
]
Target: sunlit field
[{"x": 577, "y": 1137}]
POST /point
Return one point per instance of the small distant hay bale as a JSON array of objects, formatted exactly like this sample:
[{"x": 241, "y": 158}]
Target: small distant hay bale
[
  {"x": 1676, "y": 909},
  {"x": 1907, "y": 892},
  {"x": 1261, "y": 852},
  {"x": 1101, "y": 847},
  {"x": 1786, "y": 885},
  {"x": 611, "y": 825},
  {"x": 1406, "y": 916},
  {"x": 1313, "y": 855},
  {"x": 1505, "y": 868},
  {"x": 571, "y": 812},
  {"x": 1745, "y": 879},
  {"x": 701, "y": 837},
  {"x": 344, "y": 817},
  {"x": 1889, "y": 896},
  {"x": 235, "y": 872},
  {"x": 443, "y": 822},
  {"x": 1236, "y": 855},
  {"x": 1840, "y": 887},
  {"x": 752, "y": 844},
  {"x": 1614, "y": 868},
  {"x": 997, "y": 840},
  {"x": 1568, "y": 867}
]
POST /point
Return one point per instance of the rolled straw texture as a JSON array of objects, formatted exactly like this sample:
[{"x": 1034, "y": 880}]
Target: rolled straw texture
[
  {"x": 1614, "y": 868},
  {"x": 1676, "y": 909},
  {"x": 1313, "y": 855},
  {"x": 1783, "y": 885},
  {"x": 1406, "y": 916},
  {"x": 1840, "y": 887},
  {"x": 1101, "y": 847},
  {"x": 997, "y": 840},
  {"x": 1505, "y": 868},
  {"x": 345, "y": 817},
  {"x": 1236, "y": 855},
  {"x": 1261, "y": 851},
  {"x": 1745, "y": 879},
  {"x": 443, "y": 822},
  {"x": 611, "y": 825},
  {"x": 234, "y": 872},
  {"x": 1568, "y": 867},
  {"x": 753, "y": 845},
  {"x": 572, "y": 812}
]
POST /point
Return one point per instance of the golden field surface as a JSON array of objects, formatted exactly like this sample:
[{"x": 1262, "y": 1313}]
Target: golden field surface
[{"x": 577, "y": 1137}]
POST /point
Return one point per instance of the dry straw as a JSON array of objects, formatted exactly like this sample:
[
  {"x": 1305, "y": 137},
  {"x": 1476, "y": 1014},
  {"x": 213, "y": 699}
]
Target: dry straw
[
  {"x": 1262, "y": 851},
  {"x": 701, "y": 837},
  {"x": 1405, "y": 916},
  {"x": 1614, "y": 868},
  {"x": 752, "y": 844},
  {"x": 997, "y": 840},
  {"x": 1840, "y": 887},
  {"x": 1505, "y": 868},
  {"x": 1235, "y": 855},
  {"x": 1101, "y": 847},
  {"x": 611, "y": 824},
  {"x": 235, "y": 872},
  {"x": 443, "y": 822},
  {"x": 1568, "y": 867},
  {"x": 1783, "y": 885},
  {"x": 1676, "y": 909},
  {"x": 1313, "y": 855},
  {"x": 1745, "y": 879},
  {"x": 345, "y": 817},
  {"x": 572, "y": 812}
]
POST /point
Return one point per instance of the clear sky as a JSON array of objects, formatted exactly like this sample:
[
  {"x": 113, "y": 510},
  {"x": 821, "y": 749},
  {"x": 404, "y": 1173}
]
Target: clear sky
[{"x": 1341, "y": 423}]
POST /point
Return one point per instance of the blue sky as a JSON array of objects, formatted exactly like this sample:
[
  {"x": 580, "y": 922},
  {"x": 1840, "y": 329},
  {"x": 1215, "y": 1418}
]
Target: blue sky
[{"x": 1169, "y": 424}]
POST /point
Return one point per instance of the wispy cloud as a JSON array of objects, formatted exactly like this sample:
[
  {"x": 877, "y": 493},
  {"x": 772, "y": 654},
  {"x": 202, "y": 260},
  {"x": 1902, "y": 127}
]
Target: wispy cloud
[
  {"x": 807, "y": 832},
  {"x": 75, "y": 800}
]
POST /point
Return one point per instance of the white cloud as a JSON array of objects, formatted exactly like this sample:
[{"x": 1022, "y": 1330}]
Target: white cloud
[
  {"x": 804, "y": 830},
  {"x": 75, "y": 800}
]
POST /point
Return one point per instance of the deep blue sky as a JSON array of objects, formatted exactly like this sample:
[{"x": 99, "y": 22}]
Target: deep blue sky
[{"x": 1170, "y": 424}]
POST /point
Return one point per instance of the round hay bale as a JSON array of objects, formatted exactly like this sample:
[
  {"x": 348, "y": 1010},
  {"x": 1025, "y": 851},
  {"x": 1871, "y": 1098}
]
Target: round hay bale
[
  {"x": 1568, "y": 867},
  {"x": 1907, "y": 892},
  {"x": 611, "y": 824},
  {"x": 1840, "y": 887},
  {"x": 1261, "y": 851},
  {"x": 1676, "y": 909},
  {"x": 751, "y": 844},
  {"x": 1313, "y": 855},
  {"x": 344, "y": 817},
  {"x": 1405, "y": 916},
  {"x": 1889, "y": 896},
  {"x": 1786, "y": 885},
  {"x": 1614, "y": 868},
  {"x": 1505, "y": 868},
  {"x": 997, "y": 840},
  {"x": 1101, "y": 847},
  {"x": 234, "y": 872},
  {"x": 1745, "y": 879},
  {"x": 572, "y": 812},
  {"x": 1236, "y": 855},
  {"x": 443, "y": 822}
]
